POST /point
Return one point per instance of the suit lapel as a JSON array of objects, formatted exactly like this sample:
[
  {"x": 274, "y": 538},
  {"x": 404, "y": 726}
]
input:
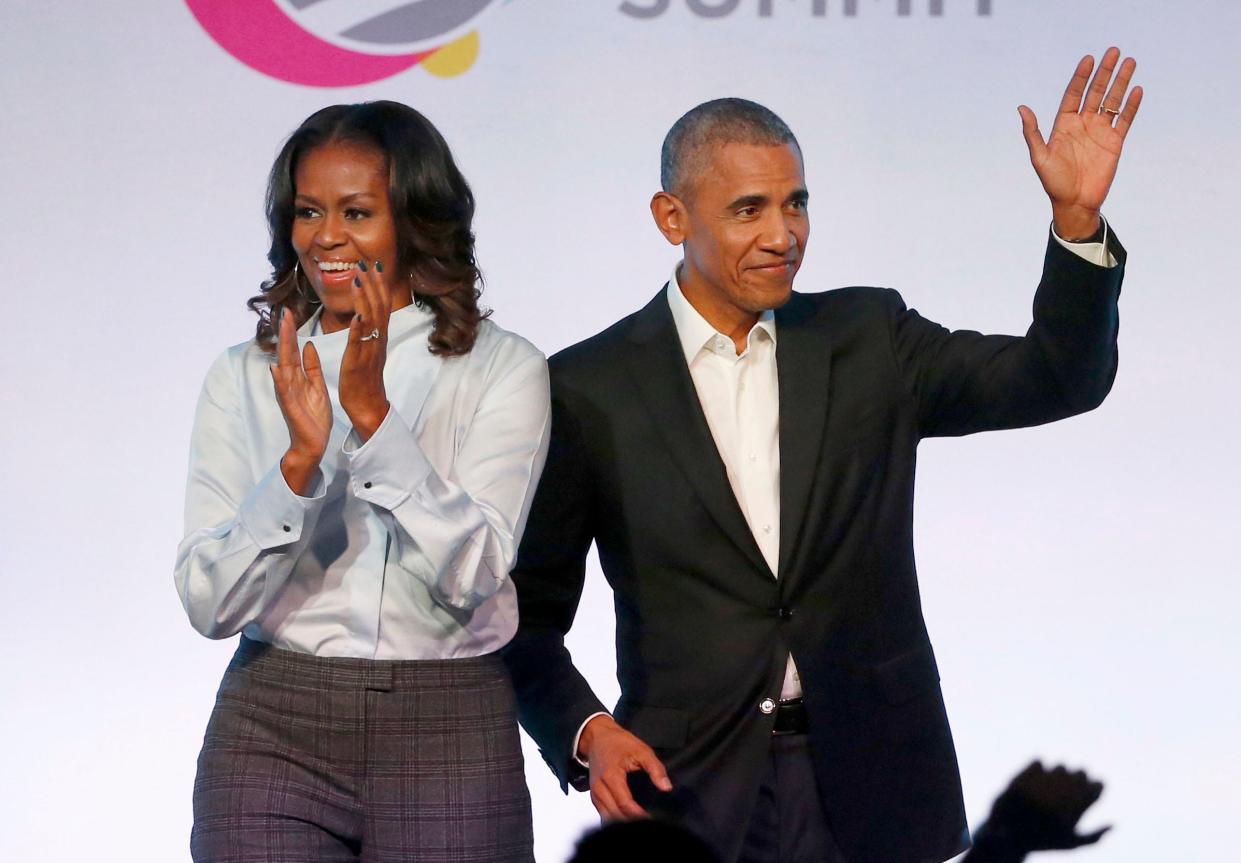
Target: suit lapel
[
  {"x": 658, "y": 370},
  {"x": 803, "y": 366}
]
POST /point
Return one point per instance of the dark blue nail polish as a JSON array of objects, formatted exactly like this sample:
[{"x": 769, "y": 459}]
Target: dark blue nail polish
[
  {"x": 362, "y": 266},
  {"x": 357, "y": 283},
  {"x": 379, "y": 267}
]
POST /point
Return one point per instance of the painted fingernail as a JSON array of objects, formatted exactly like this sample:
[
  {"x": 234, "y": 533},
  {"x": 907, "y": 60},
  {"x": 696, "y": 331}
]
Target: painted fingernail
[
  {"x": 379, "y": 267},
  {"x": 357, "y": 283},
  {"x": 362, "y": 266}
]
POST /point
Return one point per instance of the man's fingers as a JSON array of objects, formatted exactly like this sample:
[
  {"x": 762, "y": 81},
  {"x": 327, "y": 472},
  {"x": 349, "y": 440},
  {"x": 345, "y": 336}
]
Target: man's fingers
[
  {"x": 604, "y": 804},
  {"x": 1034, "y": 138},
  {"x": 655, "y": 769},
  {"x": 1125, "y": 120},
  {"x": 1102, "y": 76},
  {"x": 1116, "y": 93},
  {"x": 1072, "y": 101},
  {"x": 617, "y": 783},
  {"x": 1090, "y": 838}
]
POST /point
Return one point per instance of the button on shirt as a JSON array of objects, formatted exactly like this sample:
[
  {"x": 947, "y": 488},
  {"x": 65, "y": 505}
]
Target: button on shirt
[{"x": 403, "y": 548}]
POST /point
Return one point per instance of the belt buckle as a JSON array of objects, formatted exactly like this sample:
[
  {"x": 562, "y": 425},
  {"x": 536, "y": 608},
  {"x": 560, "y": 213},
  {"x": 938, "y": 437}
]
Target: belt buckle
[{"x": 790, "y": 718}]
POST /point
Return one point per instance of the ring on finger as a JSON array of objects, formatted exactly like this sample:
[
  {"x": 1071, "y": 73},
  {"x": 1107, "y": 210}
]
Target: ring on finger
[
  {"x": 371, "y": 336},
  {"x": 1103, "y": 109}
]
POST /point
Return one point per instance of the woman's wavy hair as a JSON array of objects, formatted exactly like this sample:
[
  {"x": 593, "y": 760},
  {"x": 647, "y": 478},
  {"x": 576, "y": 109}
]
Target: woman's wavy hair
[{"x": 431, "y": 204}]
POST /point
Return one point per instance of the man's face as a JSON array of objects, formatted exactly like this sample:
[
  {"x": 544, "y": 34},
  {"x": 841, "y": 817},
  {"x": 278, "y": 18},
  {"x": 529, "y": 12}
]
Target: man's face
[{"x": 745, "y": 225}]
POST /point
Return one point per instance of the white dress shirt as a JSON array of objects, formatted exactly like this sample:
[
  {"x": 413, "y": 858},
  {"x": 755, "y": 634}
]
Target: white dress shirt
[
  {"x": 740, "y": 397},
  {"x": 404, "y": 547}
]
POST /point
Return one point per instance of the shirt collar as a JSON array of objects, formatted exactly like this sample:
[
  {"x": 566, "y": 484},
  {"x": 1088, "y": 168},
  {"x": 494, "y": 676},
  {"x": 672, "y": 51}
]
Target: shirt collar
[{"x": 692, "y": 328}]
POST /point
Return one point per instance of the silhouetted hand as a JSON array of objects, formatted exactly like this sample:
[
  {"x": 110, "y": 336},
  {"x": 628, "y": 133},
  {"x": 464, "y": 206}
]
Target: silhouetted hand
[{"x": 1038, "y": 811}]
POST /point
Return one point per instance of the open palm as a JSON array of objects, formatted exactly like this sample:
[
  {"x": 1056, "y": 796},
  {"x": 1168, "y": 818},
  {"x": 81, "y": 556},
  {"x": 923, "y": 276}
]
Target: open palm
[
  {"x": 302, "y": 393},
  {"x": 1077, "y": 163}
]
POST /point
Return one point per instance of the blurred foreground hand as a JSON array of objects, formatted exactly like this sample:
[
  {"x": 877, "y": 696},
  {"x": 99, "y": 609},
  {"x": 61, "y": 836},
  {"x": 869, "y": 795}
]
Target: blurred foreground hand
[{"x": 1038, "y": 811}]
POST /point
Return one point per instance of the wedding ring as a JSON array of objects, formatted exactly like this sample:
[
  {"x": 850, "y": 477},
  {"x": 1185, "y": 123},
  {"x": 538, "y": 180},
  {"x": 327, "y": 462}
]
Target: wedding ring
[
  {"x": 1105, "y": 110},
  {"x": 374, "y": 334}
]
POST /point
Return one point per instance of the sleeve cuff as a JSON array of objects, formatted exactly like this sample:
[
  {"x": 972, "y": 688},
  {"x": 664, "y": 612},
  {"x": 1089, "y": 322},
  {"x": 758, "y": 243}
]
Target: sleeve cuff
[
  {"x": 577, "y": 738},
  {"x": 386, "y": 469},
  {"x": 1095, "y": 253},
  {"x": 273, "y": 514}
]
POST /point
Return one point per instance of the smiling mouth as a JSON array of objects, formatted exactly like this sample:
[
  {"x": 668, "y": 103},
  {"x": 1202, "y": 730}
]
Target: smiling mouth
[{"x": 336, "y": 266}]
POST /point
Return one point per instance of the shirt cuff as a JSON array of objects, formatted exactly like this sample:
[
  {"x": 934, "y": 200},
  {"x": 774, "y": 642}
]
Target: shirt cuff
[
  {"x": 387, "y": 468},
  {"x": 273, "y": 514},
  {"x": 577, "y": 738},
  {"x": 1095, "y": 253}
]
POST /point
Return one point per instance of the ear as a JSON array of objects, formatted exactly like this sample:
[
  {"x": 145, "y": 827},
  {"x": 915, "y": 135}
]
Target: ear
[{"x": 671, "y": 217}]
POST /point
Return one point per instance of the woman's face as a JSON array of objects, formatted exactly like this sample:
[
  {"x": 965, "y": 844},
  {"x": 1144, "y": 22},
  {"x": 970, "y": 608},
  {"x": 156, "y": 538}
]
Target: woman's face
[{"x": 341, "y": 216}]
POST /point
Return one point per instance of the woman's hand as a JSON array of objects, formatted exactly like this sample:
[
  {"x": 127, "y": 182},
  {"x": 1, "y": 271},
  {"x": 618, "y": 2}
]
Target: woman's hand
[
  {"x": 1078, "y": 162},
  {"x": 303, "y": 397},
  {"x": 362, "y": 393}
]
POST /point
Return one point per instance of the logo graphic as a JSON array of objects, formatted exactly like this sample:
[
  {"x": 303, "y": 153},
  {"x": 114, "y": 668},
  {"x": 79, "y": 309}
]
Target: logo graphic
[{"x": 342, "y": 43}]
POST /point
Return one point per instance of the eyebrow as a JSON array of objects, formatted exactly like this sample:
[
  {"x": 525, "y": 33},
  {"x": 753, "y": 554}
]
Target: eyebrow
[
  {"x": 748, "y": 201},
  {"x": 801, "y": 196},
  {"x": 353, "y": 196}
]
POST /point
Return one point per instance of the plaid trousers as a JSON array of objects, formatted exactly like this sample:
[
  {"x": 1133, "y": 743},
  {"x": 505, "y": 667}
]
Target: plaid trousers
[{"x": 331, "y": 759}]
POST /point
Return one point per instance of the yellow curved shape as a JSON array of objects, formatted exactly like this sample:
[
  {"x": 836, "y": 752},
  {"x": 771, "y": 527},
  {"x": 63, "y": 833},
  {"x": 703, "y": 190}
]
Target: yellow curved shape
[{"x": 455, "y": 57}]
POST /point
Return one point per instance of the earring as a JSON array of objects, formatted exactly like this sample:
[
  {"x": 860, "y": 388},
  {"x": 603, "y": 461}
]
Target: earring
[
  {"x": 413, "y": 292},
  {"x": 307, "y": 293}
]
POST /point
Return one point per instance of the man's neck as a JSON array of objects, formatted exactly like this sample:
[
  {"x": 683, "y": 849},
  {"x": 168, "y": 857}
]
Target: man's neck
[{"x": 722, "y": 316}]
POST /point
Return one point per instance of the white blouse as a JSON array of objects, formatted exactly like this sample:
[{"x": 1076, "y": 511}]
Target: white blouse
[{"x": 404, "y": 548}]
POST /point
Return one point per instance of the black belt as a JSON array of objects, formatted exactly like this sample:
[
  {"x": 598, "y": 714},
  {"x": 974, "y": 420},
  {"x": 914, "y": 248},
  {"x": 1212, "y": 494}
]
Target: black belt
[{"x": 790, "y": 717}]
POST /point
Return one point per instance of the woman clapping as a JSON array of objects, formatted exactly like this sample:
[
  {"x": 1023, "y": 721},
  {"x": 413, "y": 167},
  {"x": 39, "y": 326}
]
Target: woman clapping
[{"x": 360, "y": 473}]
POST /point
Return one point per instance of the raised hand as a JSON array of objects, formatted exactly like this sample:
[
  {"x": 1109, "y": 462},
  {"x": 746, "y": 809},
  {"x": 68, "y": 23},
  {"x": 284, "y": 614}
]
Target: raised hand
[
  {"x": 1077, "y": 163},
  {"x": 613, "y": 753},
  {"x": 362, "y": 393},
  {"x": 303, "y": 398},
  {"x": 1038, "y": 811}
]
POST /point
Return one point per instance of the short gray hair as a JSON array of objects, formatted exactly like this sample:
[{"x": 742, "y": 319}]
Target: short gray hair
[{"x": 713, "y": 124}]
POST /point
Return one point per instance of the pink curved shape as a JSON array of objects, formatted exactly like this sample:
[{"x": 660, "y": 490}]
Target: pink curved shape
[{"x": 261, "y": 35}]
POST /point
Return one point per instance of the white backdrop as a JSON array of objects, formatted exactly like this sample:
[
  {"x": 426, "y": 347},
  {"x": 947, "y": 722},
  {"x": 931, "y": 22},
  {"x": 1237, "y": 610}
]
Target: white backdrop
[{"x": 1079, "y": 582}]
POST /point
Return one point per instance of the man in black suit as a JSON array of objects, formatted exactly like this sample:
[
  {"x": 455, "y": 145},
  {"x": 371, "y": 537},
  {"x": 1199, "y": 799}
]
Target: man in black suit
[{"x": 743, "y": 458}]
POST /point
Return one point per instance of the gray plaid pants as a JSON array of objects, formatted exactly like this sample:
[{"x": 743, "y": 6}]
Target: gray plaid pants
[{"x": 325, "y": 759}]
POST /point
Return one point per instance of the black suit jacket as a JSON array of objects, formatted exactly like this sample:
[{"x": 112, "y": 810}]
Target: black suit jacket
[{"x": 703, "y": 628}]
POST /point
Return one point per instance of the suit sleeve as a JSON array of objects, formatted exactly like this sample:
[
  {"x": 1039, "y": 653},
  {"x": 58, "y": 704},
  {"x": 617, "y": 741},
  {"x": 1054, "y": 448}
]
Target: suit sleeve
[
  {"x": 553, "y": 697},
  {"x": 1065, "y": 364}
]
